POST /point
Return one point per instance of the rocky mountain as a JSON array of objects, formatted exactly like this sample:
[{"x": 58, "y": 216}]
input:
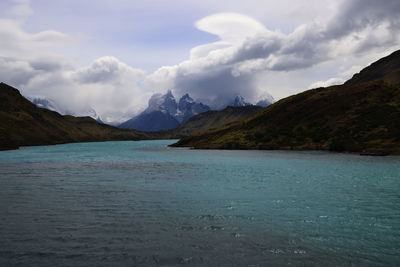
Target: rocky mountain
[
  {"x": 151, "y": 122},
  {"x": 164, "y": 113},
  {"x": 363, "y": 115},
  {"x": 239, "y": 101},
  {"x": 188, "y": 108},
  {"x": 52, "y": 105},
  {"x": 22, "y": 123},
  {"x": 164, "y": 103}
]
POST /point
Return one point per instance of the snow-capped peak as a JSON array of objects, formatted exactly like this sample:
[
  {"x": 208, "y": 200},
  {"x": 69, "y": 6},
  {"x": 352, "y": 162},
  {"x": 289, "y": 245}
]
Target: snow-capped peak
[
  {"x": 164, "y": 103},
  {"x": 182, "y": 111},
  {"x": 239, "y": 101},
  {"x": 186, "y": 98},
  {"x": 266, "y": 101}
]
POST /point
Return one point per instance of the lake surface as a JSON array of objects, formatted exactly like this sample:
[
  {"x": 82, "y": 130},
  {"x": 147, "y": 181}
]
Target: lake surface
[{"x": 145, "y": 204}]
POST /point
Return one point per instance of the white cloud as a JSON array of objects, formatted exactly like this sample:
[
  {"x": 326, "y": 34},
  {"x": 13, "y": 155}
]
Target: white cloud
[
  {"x": 330, "y": 82},
  {"x": 109, "y": 70},
  {"x": 15, "y": 42},
  {"x": 233, "y": 28},
  {"x": 22, "y": 9},
  {"x": 32, "y": 62},
  {"x": 217, "y": 71},
  {"x": 107, "y": 85},
  {"x": 342, "y": 77}
]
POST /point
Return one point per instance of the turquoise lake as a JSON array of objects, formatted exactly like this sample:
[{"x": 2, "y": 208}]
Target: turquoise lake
[{"x": 145, "y": 204}]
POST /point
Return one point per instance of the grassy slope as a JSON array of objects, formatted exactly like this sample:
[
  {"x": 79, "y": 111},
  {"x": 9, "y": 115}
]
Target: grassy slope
[
  {"x": 386, "y": 69},
  {"x": 24, "y": 124},
  {"x": 362, "y": 115},
  {"x": 210, "y": 120}
]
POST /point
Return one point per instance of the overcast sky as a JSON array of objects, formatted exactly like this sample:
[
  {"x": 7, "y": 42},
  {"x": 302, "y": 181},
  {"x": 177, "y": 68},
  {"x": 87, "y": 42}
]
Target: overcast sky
[{"x": 112, "y": 55}]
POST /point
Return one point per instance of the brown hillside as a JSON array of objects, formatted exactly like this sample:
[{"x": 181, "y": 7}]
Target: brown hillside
[{"x": 24, "y": 124}]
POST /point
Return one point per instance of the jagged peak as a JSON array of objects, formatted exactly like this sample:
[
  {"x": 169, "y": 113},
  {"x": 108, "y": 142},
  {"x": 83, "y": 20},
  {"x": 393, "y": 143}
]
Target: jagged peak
[
  {"x": 186, "y": 98},
  {"x": 240, "y": 101}
]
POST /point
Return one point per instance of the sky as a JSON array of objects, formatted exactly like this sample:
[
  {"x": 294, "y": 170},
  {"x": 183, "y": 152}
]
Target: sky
[{"x": 112, "y": 55}]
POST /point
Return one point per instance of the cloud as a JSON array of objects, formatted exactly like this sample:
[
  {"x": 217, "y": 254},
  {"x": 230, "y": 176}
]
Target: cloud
[
  {"x": 108, "y": 69},
  {"x": 16, "y": 72},
  {"x": 218, "y": 71},
  {"x": 15, "y": 42},
  {"x": 22, "y": 9},
  {"x": 354, "y": 16},
  {"x": 32, "y": 62},
  {"x": 330, "y": 82},
  {"x": 108, "y": 85},
  {"x": 343, "y": 76},
  {"x": 230, "y": 27}
]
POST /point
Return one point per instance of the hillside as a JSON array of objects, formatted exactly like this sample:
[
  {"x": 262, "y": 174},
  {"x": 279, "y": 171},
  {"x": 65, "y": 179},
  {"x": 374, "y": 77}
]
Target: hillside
[
  {"x": 363, "y": 115},
  {"x": 386, "y": 69},
  {"x": 210, "y": 120},
  {"x": 24, "y": 124}
]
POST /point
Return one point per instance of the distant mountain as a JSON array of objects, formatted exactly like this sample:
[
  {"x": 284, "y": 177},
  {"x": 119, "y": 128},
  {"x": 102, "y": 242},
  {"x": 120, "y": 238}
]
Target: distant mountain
[
  {"x": 239, "y": 101},
  {"x": 52, "y": 105},
  {"x": 265, "y": 102},
  {"x": 163, "y": 113},
  {"x": 164, "y": 103},
  {"x": 24, "y": 124},
  {"x": 151, "y": 122},
  {"x": 363, "y": 115},
  {"x": 188, "y": 108}
]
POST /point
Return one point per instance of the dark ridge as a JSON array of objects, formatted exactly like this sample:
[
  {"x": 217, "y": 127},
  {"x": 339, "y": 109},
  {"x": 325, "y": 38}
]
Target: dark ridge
[
  {"x": 386, "y": 69},
  {"x": 210, "y": 120}
]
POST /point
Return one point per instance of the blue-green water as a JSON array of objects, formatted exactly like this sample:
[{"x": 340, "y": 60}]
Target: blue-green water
[{"x": 144, "y": 204}]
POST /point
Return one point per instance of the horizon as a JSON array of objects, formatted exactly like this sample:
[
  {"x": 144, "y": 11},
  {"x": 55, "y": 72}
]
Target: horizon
[{"x": 113, "y": 55}]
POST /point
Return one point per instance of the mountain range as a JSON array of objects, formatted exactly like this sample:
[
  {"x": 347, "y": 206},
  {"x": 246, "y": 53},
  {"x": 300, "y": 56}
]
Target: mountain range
[
  {"x": 164, "y": 113},
  {"x": 362, "y": 115}
]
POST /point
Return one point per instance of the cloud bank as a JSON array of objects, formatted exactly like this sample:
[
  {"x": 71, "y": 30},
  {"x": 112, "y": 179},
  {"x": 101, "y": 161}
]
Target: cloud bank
[
  {"x": 247, "y": 59},
  {"x": 229, "y": 66}
]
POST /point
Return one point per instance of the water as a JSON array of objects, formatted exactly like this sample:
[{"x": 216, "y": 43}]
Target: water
[{"x": 144, "y": 204}]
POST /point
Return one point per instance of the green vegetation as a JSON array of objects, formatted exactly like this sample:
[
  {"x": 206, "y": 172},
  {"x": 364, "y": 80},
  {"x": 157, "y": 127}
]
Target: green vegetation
[
  {"x": 24, "y": 124},
  {"x": 363, "y": 115},
  {"x": 210, "y": 120}
]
